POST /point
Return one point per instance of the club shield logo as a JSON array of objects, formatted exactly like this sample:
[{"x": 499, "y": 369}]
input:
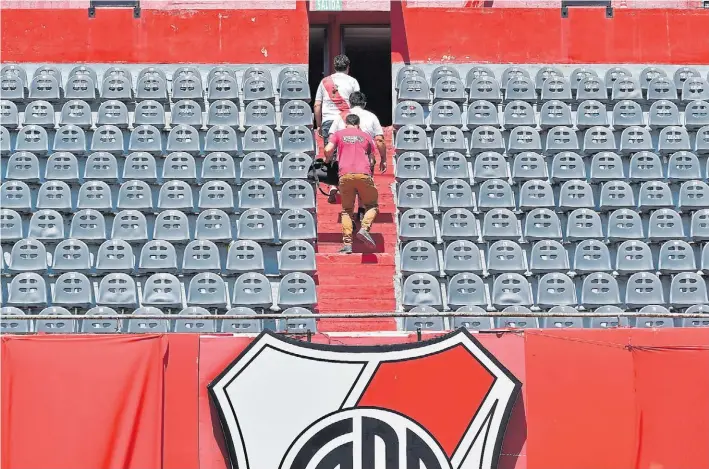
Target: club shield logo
[{"x": 437, "y": 404}]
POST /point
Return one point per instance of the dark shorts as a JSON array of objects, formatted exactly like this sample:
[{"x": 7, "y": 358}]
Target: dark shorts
[{"x": 325, "y": 128}]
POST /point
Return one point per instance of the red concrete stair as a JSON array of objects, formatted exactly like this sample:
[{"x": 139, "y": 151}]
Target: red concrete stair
[{"x": 362, "y": 282}]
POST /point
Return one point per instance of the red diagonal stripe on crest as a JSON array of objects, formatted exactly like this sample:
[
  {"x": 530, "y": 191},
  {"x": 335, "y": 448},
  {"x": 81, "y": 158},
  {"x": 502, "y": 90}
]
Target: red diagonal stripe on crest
[{"x": 441, "y": 392}]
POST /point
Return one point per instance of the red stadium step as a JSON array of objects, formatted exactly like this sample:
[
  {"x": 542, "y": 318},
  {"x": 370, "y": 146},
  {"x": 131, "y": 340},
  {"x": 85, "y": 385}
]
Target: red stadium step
[{"x": 362, "y": 282}]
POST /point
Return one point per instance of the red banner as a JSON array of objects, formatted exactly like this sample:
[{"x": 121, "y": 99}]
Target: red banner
[{"x": 589, "y": 399}]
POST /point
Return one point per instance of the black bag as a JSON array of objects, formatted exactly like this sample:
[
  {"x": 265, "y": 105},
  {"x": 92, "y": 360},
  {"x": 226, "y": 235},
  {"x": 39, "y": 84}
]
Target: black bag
[{"x": 326, "y": 173}]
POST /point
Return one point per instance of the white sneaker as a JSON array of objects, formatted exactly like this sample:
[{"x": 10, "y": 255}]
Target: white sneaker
[{"x": 332, "y": 197}]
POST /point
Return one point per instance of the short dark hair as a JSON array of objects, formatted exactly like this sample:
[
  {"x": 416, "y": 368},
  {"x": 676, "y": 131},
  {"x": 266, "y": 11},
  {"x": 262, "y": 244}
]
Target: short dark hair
[
  {"x": 341, "y": 63},
  {"x": 358, "y": 98},
  {"x": 352, "y": 119}
]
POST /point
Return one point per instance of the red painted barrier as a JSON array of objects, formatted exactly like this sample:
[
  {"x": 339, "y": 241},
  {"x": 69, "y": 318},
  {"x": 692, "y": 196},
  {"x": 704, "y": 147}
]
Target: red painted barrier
[
  {"x": 108, "y": 401},
  {"x": 541, "y": 35},
  {"x": 158, "y": 36}
]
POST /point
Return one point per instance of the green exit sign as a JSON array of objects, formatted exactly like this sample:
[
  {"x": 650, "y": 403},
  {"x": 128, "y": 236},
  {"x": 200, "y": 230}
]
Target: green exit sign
[{"x": 327, "y": 5}]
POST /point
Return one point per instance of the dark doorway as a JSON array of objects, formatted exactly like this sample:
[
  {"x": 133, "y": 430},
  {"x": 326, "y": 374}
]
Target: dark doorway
[
  {"x": 369, "y": 50},
  {"x": 319, "y": 63}
]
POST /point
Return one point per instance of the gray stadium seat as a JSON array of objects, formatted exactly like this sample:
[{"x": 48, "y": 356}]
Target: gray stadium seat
[
  {"x": 223, "y": 87},
  {"x": 223, "y": 112},
  {"x": 644, "y": 288},
  {"x": 419, "y": 224},
  {"x": 31, "y": 138},
  {"x": 115, "y": 255},
  {"x": 443, "y": 71},
  {"x": 294, "y": 166},
  {"x": 449, "y": 88},
  {"x": 464, "y": 289},
  {"x": 485, "y": 88},
  {"x": 13, "y": 86},
  {"x": 257, "y": 165},
  {"x": 149, "y": 112},
  {"x": 506, "y": 256},
  {"x": 201, "y": 256},
  {"x": 71, "y": 255},
  {"x": 696, "y": 322},
  {"x": 575, "y": 194},
  {"x": 297, "y": 289},
  {"x": 518, "y": 113},
  {"x": 216, "y": 194},
  {"x": 591, "y": 113},
  {"x": 151, "y": 86},
  {"x": 157, "y": 256},
  {"x": 414, "y": 88},
  {"x": 519, "y": 87},
  {"x": 592, "y": 255},
  {"x": 693, "y": 195},
  {"x": 511, "y": 289},
  {"x": 683, "y": 166},
  {"x": 187, "y": 84},
  {"x": 256, "y": 225},
  {"x": 500, "y": 223},
  {"x": 591, "y": 87},
  {"x": 665, "y": 224},
  {"x": 88, "y": 225},
  {"x": 195, "y": 325},
  {"x": 297, "y": 224},
  {"x": 696, "y": 115},
  {"x": 296, "y": 325},
  {"x": 597, "y": 139},
  {"x": 477, "y": 321},
  {"x": 414, "y": 165},
  {"x": 173, "y": 226},
  {"x": 626, "y": 114},
  {"x": 101, "y": 165},
  {"x": 10, "y": 225},
  {"x": 476, "y": 72},
  {"x": 175, "y": 195},
  {"x": 252, "y": 290},
  {"x": 490, "y": 165},
  {"x": 111, "y": 112},
  {"x": 444, "y": 113},
  {"x": 130, "y": 225},
  {"x": 257, "y": 87},
  {"x": 9, "y": 117},
  {"x": 218, "y": 165},
  {"x": 245, "y": 256},
  {"x": 294, "y": 88},
  {"x": 482, "y": 112},
  {"x": 419, "y": 256},
  {"x": 528, "y": 166},
  {"x": 556, "y": 88},
  {"x": 616, "y": 194},
  {"x": 45, "y": 86},
  {"x": 459, "y": 223},
  {"x": 297, "y": 138},
  {"x": 179, "y": 165},
  {"x": 672, "y": 139},
  {"x": 162, "y": 290},
  {"x": 567, "y": 165},
  {"x": 116, "y": 86},
  {"x": 462, "y": 256},
  {"x": 140, "y": 165},
  {"x": 545, "y": 73},
  {"x": 411, "y": 138},
  {"x": 654, "y": 195},
  {"x": 28, "y": 255},
  {"x": 495, "y": 193},
  {"x": 221, "y": 138},
  {"x": 290, "y": 72},
  {"x": 11, "y": 324},
  {"x": 62, "y": 166},
  {"x": 27, "y": 290},
  {"x": 135, "y": 195},
  {"x": 635, "y": 139},
  {"x": 54, "y": 195},
  {"x": 548, "y": 256},
  {"x": 5, "y": 141},
  {"x": 542, "y": 223},
  {"x": 645, "y": 166},
  {"x": 536, "y": 193},
  {"x": 214, "y": 225},
  {"x": 699, "y": 226},
  {"x": 241, "y": 325},
  {"x": 661, "y": 88},
  {"x": 23, "y": 166},
  {"x": 524, "y": 138},
  {"x": 186, "y": 112},
  {"x": 296, "y": 256},
  {"x": 408, "y": 113},
  {"x": 633, "y": 256},
  {"x": 146, "y": 138},
  {"x": 117, "y": 291},
  {"x": 414, "y": 193},
  {"x": 73, "y": 289},
  {"x": 259, "y": 138},
  {"x": 599, "y": 289},
  {"x": 625, "y": 87},
  {"x": 256, "y": 194},
  {"x": 77, "y": 112},
  {"x": 556, "y": 289},
  {"x": 56, "y": 326},
  {"x": 688, "y": 289},
  {"x": 73, "y": 139},
  {"x": 296, "y": 112},
  {"x": 297, "y": 194},
  {"x": 183, "y": 138},
  {"x": 46, "y": 225},
  {"x": 676, "y": 256},
  {"x": 520, "y": 322},
  {"x": 663, "y": 113},
  {"x": 555, "y": 113},
  {"x": 16, "y": 195},
  {"x": 625, "y": 224},
  {"x": 701, "y": 141},
  {"x": 137, "y": 325},
  {"x": 207, "y": 290},
  {"x": 455, "y": 193},
  {"x": 260, "y": 112},
  {"x": 422, "y": 290},
  {"x": 695, "y": 88}
]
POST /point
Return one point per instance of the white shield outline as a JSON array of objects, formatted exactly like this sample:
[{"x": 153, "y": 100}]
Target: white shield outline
[{"x": 474, "y": 451}]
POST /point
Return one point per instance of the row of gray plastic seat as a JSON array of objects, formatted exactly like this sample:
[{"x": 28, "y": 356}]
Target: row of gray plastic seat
[
  {"x": 602, "y": 167},
  {"x": 118, "y": 290},
  {"x": 478, "y": 321},
  {"x": 517, "y": 84},
  {"x": 134, "y": 323},
  {"x": 65, "y": 166},
  {"x": 558, "y": 139},
  {"x": 147, "y": 138},
  {"x": 554, "y": 289},
  {"x": 546, "y": 256},
  {"x": 172, "y": 195},
  {"x": 170, "y": 225},
  {"x": 150, "y": 112},
  {"x": 542, "y": 223},
  {"x": 538, "y": 193},
  {"x": 152, "y": 83},
  {"x": 473, "y": 72},
  {"x": 74, "y": 255},
  {"x": 555, "y": 113}
]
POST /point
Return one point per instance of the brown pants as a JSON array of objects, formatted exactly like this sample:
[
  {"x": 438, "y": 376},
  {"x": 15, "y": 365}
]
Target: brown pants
[{"x": 351, "y": 186}]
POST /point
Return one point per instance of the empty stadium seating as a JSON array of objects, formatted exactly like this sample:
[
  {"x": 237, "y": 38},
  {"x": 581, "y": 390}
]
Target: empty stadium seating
[
  {"x": 551, "y": 189},
  {"x": 143, "y": 190}
]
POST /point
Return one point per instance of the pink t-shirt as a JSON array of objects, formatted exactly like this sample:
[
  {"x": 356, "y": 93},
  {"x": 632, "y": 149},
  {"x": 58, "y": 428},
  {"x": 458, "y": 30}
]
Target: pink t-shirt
[{"x": 353, "y": 147}]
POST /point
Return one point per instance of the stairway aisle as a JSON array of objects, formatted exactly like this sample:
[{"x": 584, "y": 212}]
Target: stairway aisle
[{"x": 361, "y": 282}]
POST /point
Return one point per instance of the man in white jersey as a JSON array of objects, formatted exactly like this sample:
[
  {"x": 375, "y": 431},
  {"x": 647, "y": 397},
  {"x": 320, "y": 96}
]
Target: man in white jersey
[{"x": 332, "y": 97}]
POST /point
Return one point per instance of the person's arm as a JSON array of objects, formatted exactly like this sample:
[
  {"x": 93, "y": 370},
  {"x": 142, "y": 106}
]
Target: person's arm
[
  {"x": 330, "y": 147},
  {"x": 381, "y": 145},
  {"x": 317, "y": 108},
  {"x": 370, "y": 154}
]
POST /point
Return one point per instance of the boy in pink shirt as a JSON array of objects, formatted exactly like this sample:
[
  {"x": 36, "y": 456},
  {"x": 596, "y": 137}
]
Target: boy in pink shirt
[{"x": 355, "y": 157}]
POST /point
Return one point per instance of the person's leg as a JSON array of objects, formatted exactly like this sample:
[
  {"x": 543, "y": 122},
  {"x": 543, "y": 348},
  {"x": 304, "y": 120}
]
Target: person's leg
[
  {"x": 369, "y": 198},
  {"x": 332, "y": 192},
  {"x": 347, "y": 199}
]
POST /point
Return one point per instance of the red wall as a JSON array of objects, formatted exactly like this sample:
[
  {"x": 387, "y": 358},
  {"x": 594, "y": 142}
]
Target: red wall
[
  {"x": 591, "y": 399},
  {"x": 540, "y": 35},
  {"x": 168, "y": 36}
]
